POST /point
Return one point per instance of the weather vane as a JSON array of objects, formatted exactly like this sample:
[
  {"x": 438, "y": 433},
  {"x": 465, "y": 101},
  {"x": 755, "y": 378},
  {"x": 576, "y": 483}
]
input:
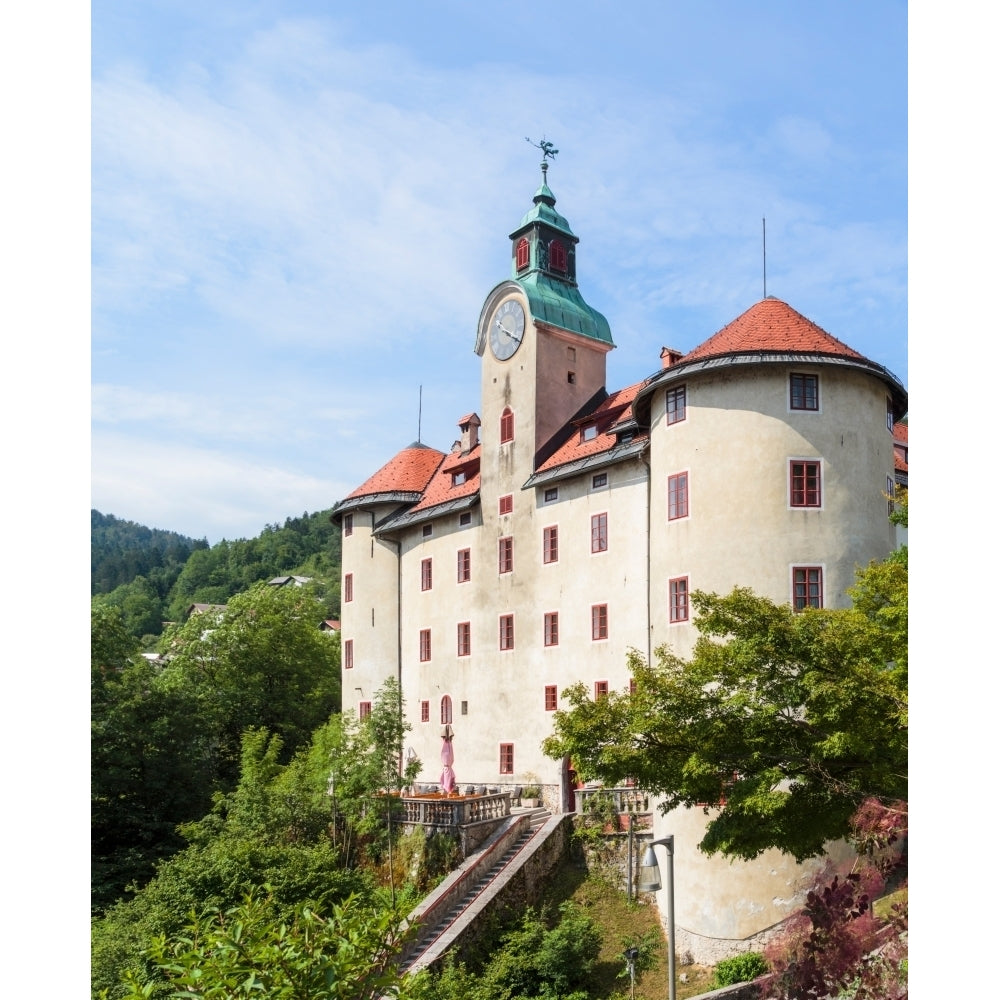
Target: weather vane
[{"x": 548, "y": 153}]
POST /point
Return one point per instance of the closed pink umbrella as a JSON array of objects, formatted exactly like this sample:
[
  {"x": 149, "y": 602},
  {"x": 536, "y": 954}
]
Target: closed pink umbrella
[{"x": 447, "y": 759}]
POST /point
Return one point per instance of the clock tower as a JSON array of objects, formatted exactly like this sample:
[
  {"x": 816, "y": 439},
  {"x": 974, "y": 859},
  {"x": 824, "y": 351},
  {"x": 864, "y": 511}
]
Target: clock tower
[{"x": 543, "y": 348}]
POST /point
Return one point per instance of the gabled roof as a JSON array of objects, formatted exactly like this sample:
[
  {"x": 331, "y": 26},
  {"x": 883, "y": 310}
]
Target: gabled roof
[
  {"x": 441, "y": 488},
  {"x": 611, "y": 413},
  {"x": 407, "y": 472},
  {"x": 771, "y": 325}
]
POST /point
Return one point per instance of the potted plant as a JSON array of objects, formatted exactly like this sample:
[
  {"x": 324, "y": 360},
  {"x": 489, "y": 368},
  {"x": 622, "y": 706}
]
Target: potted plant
[{"x": 531, "y": 794}]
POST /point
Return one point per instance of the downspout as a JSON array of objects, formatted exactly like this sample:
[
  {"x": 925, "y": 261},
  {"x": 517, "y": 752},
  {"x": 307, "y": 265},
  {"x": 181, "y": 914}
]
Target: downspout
[
  {"x": 649, "y": 554},
  {"x": 399, "y": 643}
]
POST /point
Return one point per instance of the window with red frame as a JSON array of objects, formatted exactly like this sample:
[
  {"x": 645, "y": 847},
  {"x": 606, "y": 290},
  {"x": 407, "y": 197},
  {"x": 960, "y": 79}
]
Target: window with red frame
[
  {"x": 464, "y": 565},
  {"x": 425, "y": 645},
  {"x": 600, "y": 690},
  {"x": 426, "y": 575},
  {"x": 550, "y": 544},
  {"x": 557, "y": 255},
  {"x": 364, "y": 709},
  {"x": 631, "y": 685},
  {"x": 446, "y": 710},
  {"x": 506, "y": 758},
  {"x": 348, "y": 587},
  {"x": 505, "y": 555},
  {"x": 425, "y": 711},
  {"x": 679, "y": 599},
  {"x": 551, "y": 628},
  {"x": 348, "y": 654},
  {"x": 464, "y": 638},
  {"x": 599, "y": 533},
  {"x": 506, "y": 504},
  {"x": 506, "y": 425},
  {"x": 807, "y": 587},
  {"x": 522, "y": 254},
  {"x": 676, "y": 404},
  {"x": 506, "y": 631},
  {"x": 599, "y": 621},
  {"x": 348, "y": 524},
  {"x": 805, "y": 483},
  {"x": 551, "y": 698},
  {"x": 803, "y": 392},
  {"x": 677, "y": 496}
]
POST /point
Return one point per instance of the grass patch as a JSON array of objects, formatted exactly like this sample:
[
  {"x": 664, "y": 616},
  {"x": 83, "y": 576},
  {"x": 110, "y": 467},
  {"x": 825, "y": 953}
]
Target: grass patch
[{"x": 619, "y": 921}]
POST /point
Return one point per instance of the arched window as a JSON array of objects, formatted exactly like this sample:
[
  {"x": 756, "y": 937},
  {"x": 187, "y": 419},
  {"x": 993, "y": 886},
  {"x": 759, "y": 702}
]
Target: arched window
[
  {"x": 446, "y": 710},
  {"x": 522, "y": 254},
  {"x": 557, "y": 255},
  {"x": 506, "y": 425}
]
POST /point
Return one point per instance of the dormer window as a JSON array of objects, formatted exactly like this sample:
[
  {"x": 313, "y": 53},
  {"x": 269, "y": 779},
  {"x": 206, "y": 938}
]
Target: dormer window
[
  {"x": 457, "y": 478},
  {"x": 588, "y": 433},
  {"x": 557, "y": 255},
  {"x": 522, "y": 254}
]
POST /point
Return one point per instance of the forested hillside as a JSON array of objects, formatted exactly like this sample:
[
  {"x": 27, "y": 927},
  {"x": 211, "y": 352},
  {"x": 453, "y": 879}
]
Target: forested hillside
[
  {"x": 153, "y": 576},
  {"x": 122, "y": 550}
]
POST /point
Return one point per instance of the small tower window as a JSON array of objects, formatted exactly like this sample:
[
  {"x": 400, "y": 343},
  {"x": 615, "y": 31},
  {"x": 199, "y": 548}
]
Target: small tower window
[
  {"x": 557, "y": 255},
  {"x": 522, "y": 254},
  {"x": 506, "y": 425}
]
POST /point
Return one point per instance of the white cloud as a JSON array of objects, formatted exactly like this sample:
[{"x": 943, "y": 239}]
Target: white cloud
[{"x": 199, "y": 491}]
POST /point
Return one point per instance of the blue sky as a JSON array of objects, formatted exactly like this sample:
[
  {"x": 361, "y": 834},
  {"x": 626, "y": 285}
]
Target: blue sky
[{"x": 298, "y": 209}]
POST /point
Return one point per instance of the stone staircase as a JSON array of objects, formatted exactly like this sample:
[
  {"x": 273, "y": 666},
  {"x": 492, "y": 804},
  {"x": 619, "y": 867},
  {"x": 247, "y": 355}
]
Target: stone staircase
[{"x": 469, "y": 890}]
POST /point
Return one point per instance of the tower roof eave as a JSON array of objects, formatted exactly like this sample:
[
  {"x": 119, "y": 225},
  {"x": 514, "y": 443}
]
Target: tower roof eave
[{"x": 562, "y": 305}]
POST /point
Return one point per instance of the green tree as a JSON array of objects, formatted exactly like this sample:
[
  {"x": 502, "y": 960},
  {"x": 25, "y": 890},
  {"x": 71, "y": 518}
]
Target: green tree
[
  {"x": 261, "y": 662},
  {"x": 347, "y": 953},
  {"x": 140, "y": 604},
  {"x": 786, "y": 721},
  {"x": 550, "y": 955},
  {"x": 152, "y": 760}
]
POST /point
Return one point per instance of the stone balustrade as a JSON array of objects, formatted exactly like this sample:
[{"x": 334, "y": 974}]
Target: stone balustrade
[
  {"x": 627, "y": 799},
  {"x": 442, "y": 812}
]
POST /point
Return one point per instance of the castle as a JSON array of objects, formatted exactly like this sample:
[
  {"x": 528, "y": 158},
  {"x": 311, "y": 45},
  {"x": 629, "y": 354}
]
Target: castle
[{"x": 569, "y": 524}]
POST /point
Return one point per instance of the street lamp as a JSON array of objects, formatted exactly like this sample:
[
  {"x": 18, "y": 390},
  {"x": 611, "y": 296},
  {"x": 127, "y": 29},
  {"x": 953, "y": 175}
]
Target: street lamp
[{"x": 649, "y": 881}]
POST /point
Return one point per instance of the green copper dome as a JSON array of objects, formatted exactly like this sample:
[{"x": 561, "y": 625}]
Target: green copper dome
[
  {"x": 544, "y": 211},
  {"x": 551, "y": 289}
]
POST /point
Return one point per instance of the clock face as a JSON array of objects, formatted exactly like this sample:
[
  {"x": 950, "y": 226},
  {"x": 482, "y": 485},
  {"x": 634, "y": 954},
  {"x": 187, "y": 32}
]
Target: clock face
[{"x": 506, "y": 329}]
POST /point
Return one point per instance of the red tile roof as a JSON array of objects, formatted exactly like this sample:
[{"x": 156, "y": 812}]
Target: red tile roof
[
  {"x": 614, "y": 410},
  {"x": 901, "y": 433},
  {"x": 771, "y": 325},
  {"x": 440, "y": 488},
  {"x": 409, "y": 472}
]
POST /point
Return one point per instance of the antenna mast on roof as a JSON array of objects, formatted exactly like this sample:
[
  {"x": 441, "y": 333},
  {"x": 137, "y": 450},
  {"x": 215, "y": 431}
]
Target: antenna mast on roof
[
  {"x": 764, "y": 226},
  {"x": 420, "y": 411}
]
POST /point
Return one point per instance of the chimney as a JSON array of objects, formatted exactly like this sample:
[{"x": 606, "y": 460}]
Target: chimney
[
  {"x": 669, "y": 356},
  {"x": 469, "y": 426}
]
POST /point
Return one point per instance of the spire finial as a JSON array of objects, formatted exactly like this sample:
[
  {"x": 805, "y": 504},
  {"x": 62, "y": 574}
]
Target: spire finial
[{"x": 548, "y": 153}]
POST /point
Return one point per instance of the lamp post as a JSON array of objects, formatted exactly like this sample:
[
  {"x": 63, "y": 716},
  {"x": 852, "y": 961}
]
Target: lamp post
[{"x": 649, "y": 881}]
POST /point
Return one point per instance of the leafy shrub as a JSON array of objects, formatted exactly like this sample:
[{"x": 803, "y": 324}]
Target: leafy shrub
[
  {"x": 533, "y": 961},
  {"x": 739, "y": 969}
]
